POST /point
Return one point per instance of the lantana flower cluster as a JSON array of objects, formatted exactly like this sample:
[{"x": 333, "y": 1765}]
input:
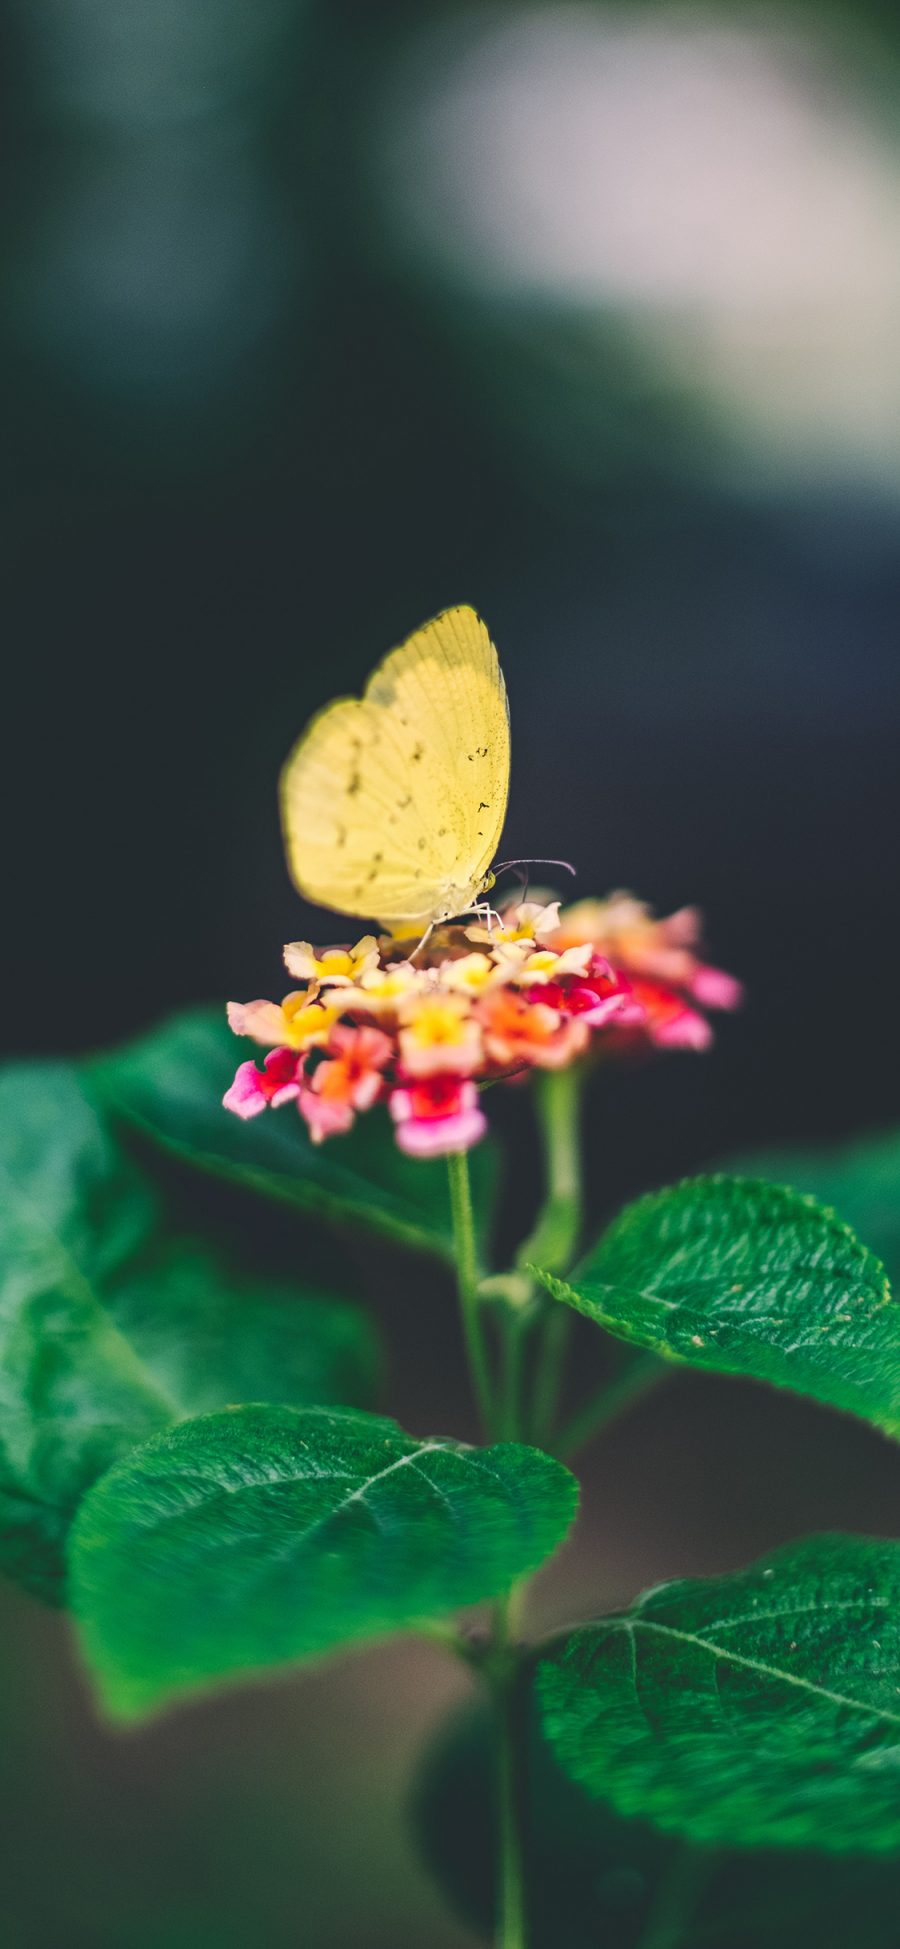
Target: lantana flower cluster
[{"x": 422, "y": 1027}]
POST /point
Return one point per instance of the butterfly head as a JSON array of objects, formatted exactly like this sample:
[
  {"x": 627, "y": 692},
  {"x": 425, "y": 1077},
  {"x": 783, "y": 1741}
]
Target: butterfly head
[
  {"x": 455, "y": 900},
  {"x": 459, "y": 900}
]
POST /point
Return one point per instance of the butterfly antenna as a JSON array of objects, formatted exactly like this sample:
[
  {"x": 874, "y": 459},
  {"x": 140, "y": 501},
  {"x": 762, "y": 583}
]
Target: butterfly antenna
[{"x": 504, "y": 864}]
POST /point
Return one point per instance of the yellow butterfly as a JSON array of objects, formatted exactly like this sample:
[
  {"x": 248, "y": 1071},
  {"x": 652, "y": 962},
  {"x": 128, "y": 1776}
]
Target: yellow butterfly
[{"x": 392, "y": 804}]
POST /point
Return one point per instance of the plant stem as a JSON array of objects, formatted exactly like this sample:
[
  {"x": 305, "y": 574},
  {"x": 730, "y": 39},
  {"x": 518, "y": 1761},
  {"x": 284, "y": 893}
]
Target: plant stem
[
  {"x": 553, "y": 1242},
  {"x": 467, "y": 1274},
  {"x": 502, "y": 1666},
  {"x": 449, "y": 1638},
  {"x": 555, "y": 1236},
  {"x": 559, "y": 1096},
  {"x": 511, "y": 1370},
  {"x": 551, "y": 1364},
  {"x": 510, "y": 1923},
  {"x": 638, "y": 1378},
  {"x": 676, "y": 1899}
]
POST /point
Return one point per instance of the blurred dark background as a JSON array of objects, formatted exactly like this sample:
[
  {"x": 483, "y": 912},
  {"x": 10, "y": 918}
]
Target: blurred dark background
[{"x": 317, "y": 318}]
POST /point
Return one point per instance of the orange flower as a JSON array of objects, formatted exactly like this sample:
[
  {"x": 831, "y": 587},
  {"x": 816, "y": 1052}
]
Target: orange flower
[
  {"x": 661, "y": 951},
  {"x": 348, "y": 1079},
  {"x": 518, "y": 1031}
]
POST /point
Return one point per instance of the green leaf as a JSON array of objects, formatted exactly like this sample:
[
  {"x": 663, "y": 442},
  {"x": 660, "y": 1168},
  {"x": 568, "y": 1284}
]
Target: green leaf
[
  {"x": 109, "y": 1332},
  {"x": 170, "y": 1085},
  {"x": 596, "y": 1878},
  {"x": 749, "y": 1278},
  {"x": 861, "y": 1181},
  {"x": 246, "y": 1540},
  {"x": 761, "y": 1709},
  {"x": 212, "y": 1336}
]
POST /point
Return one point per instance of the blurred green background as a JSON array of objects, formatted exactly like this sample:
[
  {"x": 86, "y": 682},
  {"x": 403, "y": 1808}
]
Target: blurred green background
[{"x": 315, "y": 319}]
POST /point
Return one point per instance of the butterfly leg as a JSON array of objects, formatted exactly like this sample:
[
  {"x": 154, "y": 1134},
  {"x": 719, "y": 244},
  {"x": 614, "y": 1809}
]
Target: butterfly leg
[
  {"x": 424, "y": 941},
  {"x": 483, "y": 911}
]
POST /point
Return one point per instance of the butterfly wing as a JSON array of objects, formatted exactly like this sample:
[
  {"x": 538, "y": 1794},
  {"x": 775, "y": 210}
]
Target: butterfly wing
[{"x": 393, "y": 803}]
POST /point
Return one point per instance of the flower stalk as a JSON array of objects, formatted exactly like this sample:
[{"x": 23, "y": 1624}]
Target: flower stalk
[
  {"x": 466, "y": 1250},
  {"x": 511, "y": 1925},
  {"x": 553, "y": 1242}
]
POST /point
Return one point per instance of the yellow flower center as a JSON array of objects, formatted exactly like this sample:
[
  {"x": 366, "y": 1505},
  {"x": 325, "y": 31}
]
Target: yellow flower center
[
  {"x": 468, "y": 974},
  {"x": 335, "y": 961},
  {"x": 438, "y": 1021},
  {"x": 384, "y": 985},
  {"x": 308, "y": 1022}
]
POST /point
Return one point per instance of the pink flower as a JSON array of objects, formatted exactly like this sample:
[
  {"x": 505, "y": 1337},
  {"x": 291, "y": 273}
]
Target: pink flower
[
  {"x": 667, "y": 1020},
  {"x": 324, "y": 1115},
  {"x": 346, "y": 1080},
  {"x": 657, "y": 960},
  {"x": 597, "y": 1011},
  {"x": 598, "y": 998},
  {"x": 437, "y": 1115},
  {"x": 254, "y": 1090},
  {"x": 713, "y": 988}
]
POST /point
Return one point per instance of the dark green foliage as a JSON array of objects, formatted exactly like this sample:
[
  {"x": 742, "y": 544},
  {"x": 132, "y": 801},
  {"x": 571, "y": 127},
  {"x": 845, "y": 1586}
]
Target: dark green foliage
[
  {"x": 209, "y": 1542},
  {"x": 245, "y": 1540},
  {"x": 595, "y": 1879},
  {"x": 214, "y": 1336},
  {"x": 761, "y": 1709},
  {"x": 110, "y": 1331},
  {"x": 170, "y": 1084},
  {"x": 861, "y": 1181},
  {"x": 748, "y": 1278}
]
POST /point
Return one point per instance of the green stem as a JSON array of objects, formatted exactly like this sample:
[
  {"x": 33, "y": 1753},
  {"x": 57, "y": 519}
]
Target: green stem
[
  {"x": 511, "y": 1930},
  {"x": 551, "y": 1366},
  {"x": 554, "y": 1240},
  {"x": 513, "y": 1329},
  {"x": 676, "y": 1899},
  {"x": 467, "y": 1275},
  {"x": 449, "y": 1638},
  {"x": 502, "y": 1664},
  {"x": 466, "y": 1283},
  {"x": 638, "y": 1378}
]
